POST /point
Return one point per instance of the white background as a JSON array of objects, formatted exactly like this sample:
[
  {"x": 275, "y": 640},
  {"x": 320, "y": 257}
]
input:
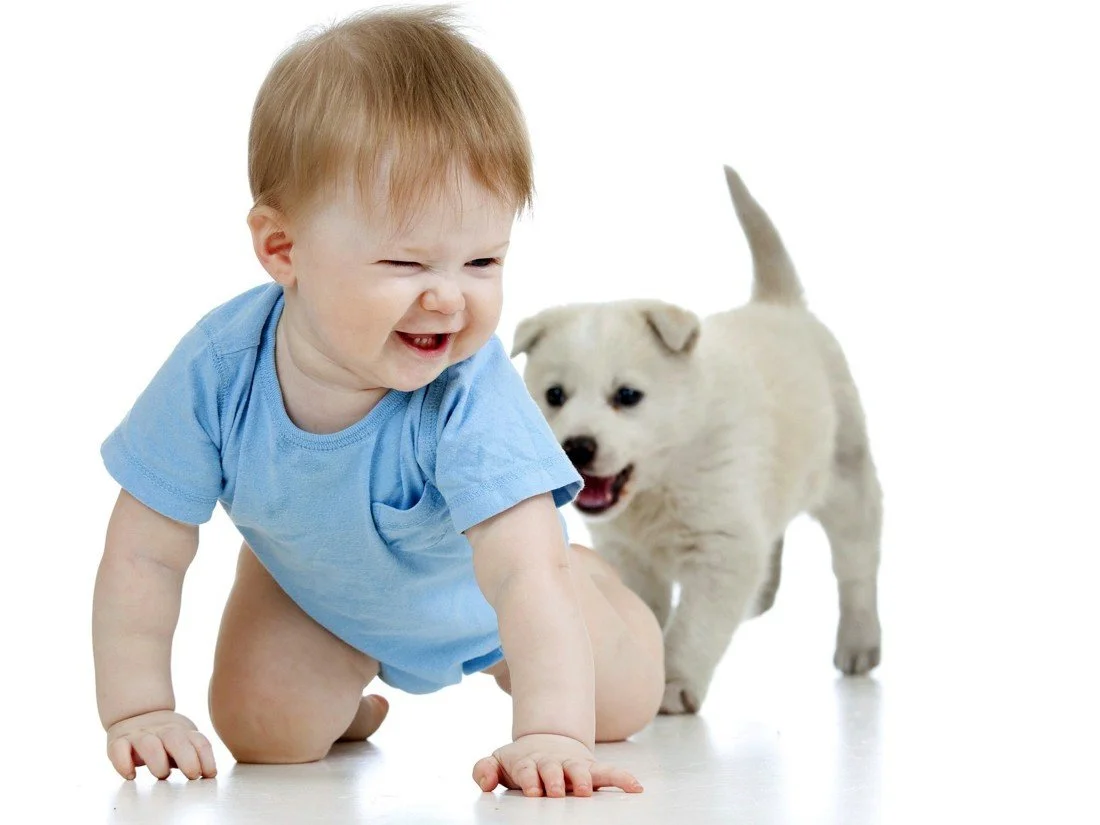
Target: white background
[{"x": 932, "y": 167}]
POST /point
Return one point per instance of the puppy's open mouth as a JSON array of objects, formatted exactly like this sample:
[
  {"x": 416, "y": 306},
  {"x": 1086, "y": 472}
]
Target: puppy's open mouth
[{"x": 601, "y": 493}]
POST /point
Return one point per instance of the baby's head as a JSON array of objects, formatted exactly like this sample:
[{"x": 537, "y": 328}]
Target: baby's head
[{"x": 388, "y": 158}]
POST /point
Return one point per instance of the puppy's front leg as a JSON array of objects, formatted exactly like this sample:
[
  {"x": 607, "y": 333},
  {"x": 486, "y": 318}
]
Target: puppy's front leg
[
  {"x": 718, "y": 579},
  {"x": 650, "y": 580}
]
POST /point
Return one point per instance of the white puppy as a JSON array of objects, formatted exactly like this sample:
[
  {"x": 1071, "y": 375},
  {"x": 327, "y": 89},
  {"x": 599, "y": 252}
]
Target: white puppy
[{"x": 699, "y": 442}]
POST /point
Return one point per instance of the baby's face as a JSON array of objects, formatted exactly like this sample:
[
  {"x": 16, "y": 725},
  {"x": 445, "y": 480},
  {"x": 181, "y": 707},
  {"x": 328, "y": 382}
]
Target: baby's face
[{"x": 394, "y": 305}]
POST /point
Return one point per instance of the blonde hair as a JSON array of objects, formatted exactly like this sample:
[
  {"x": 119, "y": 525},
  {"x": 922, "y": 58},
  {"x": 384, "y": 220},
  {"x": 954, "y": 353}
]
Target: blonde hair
[{"x": 397, "y": 98}]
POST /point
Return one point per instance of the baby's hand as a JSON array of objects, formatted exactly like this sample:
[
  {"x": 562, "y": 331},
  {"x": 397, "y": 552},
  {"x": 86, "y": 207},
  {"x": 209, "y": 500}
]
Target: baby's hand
[
  {"x": 160, "y": 740},
  {"x": 549, "y": 763}
]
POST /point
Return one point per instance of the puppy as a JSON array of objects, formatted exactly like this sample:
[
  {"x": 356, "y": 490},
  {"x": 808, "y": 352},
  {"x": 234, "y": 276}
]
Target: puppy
[{"x": 699, "y": 442}]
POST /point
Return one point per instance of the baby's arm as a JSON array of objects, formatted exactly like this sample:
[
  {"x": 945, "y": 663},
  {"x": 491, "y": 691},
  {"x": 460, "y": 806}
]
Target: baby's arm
[
  {"x": 134, "y": 614},
  {"x": 522, "y": 566}
]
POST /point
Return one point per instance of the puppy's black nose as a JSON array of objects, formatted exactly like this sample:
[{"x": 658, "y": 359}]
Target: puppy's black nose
[{"x": 581, "y": 450}]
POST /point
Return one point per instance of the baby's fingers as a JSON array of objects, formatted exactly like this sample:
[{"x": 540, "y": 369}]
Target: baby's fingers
[
  {"x": 525, "y": 774},
  {"x": 121, "y": 754},
  {"x": 605, "y": 776},
  {"x": 205, "y": 752},
  {"x": 151, "y": 750},
  {"x": 579, "y": 776},
  {"x": 182, "y": 751},
  {"x": 553, "y": 777},
  {"x": 487, "y": 773}
]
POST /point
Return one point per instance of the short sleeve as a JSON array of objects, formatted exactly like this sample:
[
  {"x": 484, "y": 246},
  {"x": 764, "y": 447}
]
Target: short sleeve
[
  {"x": 166, "y": 453},
  {"x": 493, "y": 448}
]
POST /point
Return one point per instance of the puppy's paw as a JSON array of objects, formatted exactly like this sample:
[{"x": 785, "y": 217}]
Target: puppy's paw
[
  {"x": 858, "y": 646},
  {"x": 681, "y": 697}
]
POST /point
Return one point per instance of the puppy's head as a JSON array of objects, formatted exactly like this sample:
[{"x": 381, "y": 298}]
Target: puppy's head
[{"x": 614, "y": 381}]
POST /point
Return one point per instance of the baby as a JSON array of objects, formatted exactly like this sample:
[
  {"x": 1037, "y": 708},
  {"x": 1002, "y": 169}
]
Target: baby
[{"x": 361, "y": 424}]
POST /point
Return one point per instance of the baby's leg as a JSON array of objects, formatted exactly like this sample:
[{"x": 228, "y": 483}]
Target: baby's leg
[
  {"x": 284, "y": 689},
  {"x": 627, "y": 647}
]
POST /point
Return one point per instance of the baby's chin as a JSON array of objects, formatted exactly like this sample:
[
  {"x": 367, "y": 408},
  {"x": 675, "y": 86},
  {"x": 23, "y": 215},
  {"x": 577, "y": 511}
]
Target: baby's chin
[
  {"x": 407, "y": 380},
  {"x": 415, "y": 374}
]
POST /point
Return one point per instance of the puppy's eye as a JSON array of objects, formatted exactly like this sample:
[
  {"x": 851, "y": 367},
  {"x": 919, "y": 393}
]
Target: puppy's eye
[
  {"x": 555, "y": 396},
  {"x": 627, "y": 397}
]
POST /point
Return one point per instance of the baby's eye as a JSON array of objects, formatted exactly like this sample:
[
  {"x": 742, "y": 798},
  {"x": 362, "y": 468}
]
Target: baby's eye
[
  {"x": 483, "y": 263},
  {"x": 403, "y": 264},
  {"x": 627, "y": 397},
  {"x": 555, "y": 396}
]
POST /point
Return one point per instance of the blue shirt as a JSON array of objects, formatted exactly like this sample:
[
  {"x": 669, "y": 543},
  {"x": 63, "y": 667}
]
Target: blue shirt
[{"x": 362, "y": 528}]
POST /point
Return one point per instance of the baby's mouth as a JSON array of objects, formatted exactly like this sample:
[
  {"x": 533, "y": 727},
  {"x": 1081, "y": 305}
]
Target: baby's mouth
[{"x": 428, "y": 344}]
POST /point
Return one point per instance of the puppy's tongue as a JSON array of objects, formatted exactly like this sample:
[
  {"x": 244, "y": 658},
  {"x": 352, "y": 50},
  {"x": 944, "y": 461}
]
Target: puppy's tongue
[{"x": 597, "y": 491}]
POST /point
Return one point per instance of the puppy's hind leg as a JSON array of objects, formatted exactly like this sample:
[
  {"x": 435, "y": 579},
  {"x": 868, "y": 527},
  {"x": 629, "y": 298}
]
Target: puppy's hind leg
[
  {"x": 852, "y": 518},
  {"x": 765, "y": 597}
]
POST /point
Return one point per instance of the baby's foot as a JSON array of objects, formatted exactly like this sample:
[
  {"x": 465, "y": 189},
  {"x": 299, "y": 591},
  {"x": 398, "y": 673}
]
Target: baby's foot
[{"x": 372, "y": 710}]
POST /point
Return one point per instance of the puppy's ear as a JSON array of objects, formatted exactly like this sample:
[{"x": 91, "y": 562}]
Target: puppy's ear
[
  {"x": 676, "y": 328},
  {"x": 528, "y": 332}
]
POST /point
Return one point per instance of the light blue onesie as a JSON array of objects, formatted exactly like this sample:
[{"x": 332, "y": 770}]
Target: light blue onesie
[{"x": 362, "y": 528}]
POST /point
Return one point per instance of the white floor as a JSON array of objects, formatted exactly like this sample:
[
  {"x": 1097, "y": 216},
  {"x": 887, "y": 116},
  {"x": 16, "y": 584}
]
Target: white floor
[{"x": 983, "y": 710}]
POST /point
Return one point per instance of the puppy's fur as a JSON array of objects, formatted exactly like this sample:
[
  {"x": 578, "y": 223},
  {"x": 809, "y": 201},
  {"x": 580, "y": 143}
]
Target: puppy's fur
[{"x": 700, "y": 442}]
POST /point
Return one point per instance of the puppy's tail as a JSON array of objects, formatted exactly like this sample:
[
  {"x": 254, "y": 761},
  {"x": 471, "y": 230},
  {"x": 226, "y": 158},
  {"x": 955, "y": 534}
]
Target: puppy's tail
[{"x": 774, "y": 278}]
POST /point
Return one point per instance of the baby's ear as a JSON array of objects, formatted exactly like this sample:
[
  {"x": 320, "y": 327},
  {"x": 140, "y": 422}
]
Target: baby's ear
[
  {"x": 271, "y": 241},
  {"x": 675, "y": 327}
]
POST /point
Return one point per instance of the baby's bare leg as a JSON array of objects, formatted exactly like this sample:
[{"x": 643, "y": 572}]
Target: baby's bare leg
[
  {"x": 284, "y": 689},
  {"x": 627, "y": 648}
]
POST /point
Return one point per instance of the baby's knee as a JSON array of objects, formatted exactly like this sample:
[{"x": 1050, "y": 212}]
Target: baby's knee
[
  {"x": 629, "y": 713},
  {"x": 263, "y": 729},
  {"x": 591, "y": 562},
  {"x": 624, "y": 706}
]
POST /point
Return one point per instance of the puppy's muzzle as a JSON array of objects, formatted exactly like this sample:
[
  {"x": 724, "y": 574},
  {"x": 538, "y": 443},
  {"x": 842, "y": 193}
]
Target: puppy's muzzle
[
  {"x": 581, "y": 450},
  {"x": 600, "y": 493}
]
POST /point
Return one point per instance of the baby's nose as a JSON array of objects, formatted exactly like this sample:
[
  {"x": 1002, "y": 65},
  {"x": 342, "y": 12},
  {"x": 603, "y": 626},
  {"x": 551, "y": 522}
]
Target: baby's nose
[{"x": 445, "y": 297}]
